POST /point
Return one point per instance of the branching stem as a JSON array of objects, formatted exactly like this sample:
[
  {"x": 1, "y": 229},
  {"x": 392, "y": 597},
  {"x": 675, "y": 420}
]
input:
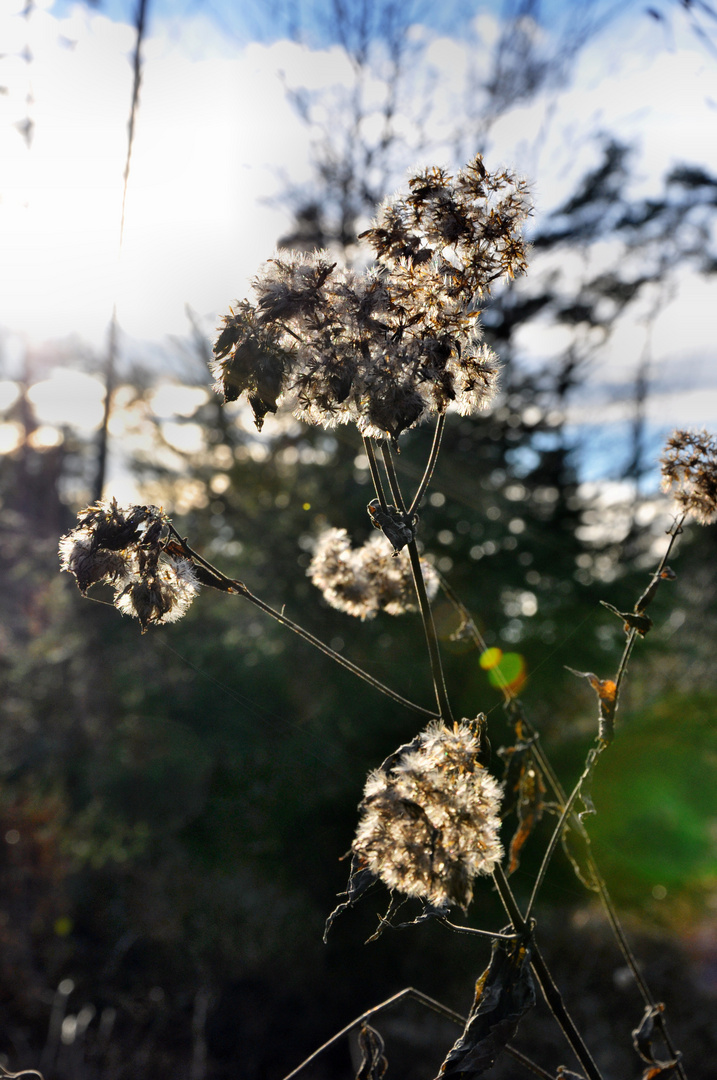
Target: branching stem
[
  {"x": 430, "y": 1003},
  {"x": 216, "y": 579},
  {"x": 540, "y": 969},
  {"x": 439, "y": 683},
  {"x": 431, "y": 464}
]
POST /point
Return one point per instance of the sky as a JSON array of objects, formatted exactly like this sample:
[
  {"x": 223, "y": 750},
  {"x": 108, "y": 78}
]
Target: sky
[{"x": 217, "y": 139}]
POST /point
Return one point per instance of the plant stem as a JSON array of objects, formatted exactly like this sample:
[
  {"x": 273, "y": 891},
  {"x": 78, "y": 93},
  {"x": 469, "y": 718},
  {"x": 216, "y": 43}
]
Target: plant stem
[
  {"x": 439, "y": 683},
  {"x": 674, "y": 532},
  {"x": 375, "y": 474},
  {"x": 229, "y": 585},
  {"x": 559, "y": 793},
  {"x": 540, "y": 969},
  {"x": 393, "y": 483},
  {"x": 430, "y": 466},
  {"x": 430, "y": 1003},
  {"x": 557, "y": 833}
]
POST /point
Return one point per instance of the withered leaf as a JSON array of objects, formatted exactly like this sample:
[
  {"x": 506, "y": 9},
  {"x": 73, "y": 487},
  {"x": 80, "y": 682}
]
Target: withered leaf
[
  {"x": 567, "y": 1074},
  {"x": 666, "y": 574},
  {"x": 504, "y": 993},
  {"x": 393, "y": 524},
  {"x": 642, "y": 1038},
  {"x": 373, "y": 1062},
  {"x": 632, "y": 620},
  {"x": 360, "y": 880},
  {"x": 606, "y": 691},
  {"x": 575, "y": 845},
  {"x": 525, "y": 793}
]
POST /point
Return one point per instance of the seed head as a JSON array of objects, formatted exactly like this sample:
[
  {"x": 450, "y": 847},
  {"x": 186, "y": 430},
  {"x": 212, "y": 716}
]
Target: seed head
[
  {"x": 363, "y": 581},
  {"x": 124, "y": 547},
  {"x": 387, "y": 348},
  {"x": 159, "y": 597},
  {"x": 689, "y": 470},
  {"x": 429, "y": 820}
]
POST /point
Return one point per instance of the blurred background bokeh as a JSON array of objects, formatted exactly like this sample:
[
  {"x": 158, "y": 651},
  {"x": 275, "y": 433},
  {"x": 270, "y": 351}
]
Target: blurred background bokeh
[{"x": 174, "y": 806}]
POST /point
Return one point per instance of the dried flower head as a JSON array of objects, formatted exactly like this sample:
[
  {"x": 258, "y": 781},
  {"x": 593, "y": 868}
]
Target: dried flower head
[
  {"x": 363, "y": 581},
  {"x": 430, "y": 817},
  {"x": 124, "y": 547},
  {"x": 391, "y": 346},
  {"x": 689, "y": 469}
]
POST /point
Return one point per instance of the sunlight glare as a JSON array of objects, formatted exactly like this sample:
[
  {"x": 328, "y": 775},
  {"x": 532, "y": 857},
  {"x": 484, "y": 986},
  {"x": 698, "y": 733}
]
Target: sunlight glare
[{"x": 68, "y": 397}]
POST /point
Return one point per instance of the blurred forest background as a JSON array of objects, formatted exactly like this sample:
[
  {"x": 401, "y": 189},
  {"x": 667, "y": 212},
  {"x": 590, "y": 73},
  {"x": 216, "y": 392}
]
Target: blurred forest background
[{"x": 173, "y": 807}]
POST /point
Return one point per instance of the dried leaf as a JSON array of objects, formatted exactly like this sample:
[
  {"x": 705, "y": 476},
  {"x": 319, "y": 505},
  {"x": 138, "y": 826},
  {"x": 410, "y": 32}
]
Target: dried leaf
[
  {"x": 666, "y": 574},
  {"x": 373, "y": 1063},
  {"x": 576, "y": 852},
  {"x": 631, "y": 620},
  {"x": 393, "y": 524},
  {"x": 574, "y": 844},
  {"x": 504, "y": 993},
  {"x": 360, "y": 880},
  {"x": 642, "y": 1038},
  {"x": 524, "y": 792},
  {"x": 606, "y": 691},
  {"x": 567, "y": 1074}
]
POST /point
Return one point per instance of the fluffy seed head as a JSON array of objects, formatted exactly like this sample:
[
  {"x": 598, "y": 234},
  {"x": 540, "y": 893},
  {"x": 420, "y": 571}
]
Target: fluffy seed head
[
  {"x": 387, "y": 348},
  {"x": 125, "y": 547},
  {"x": 429, "y": 820},
  {"x": 689, "y": 470},
  {"x": 159, "y": 597},
  {"x": 363, "y": 581}
]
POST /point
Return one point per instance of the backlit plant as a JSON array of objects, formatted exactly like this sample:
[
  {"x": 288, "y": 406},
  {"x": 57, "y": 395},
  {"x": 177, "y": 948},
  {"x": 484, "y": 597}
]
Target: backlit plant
[{"x": 386, "y": 349}]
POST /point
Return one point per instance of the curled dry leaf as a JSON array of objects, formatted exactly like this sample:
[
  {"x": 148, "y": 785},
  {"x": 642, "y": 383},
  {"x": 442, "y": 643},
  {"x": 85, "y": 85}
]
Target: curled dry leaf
[
  {"x": 642, "y": 1037},
  {"x": 525, "y": 790},
  {"x": 504, "y": 993},
  {"x": 632, "y": 620},
  {"x": 606, "y": 690},
  {"x": 373, "y": 1062}
]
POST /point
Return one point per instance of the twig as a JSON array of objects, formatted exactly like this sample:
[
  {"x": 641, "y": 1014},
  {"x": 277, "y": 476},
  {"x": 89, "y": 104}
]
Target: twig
[
  {"x": 229, "y": 585},
  {"x": 432, "y": 459},
  {"x": 540, "y": 969},
  {"x": 430, "y": 1003},
  {"x": 375, "y": 474},
  {"x": 439, "y": 683}
]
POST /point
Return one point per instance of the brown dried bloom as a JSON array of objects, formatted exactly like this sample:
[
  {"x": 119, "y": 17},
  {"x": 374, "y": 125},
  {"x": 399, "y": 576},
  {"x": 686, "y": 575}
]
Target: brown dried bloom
[
  {"x": 363, "y": 581},
  {"x": 689, "y": 468},
  {"x": 124, "y": 547},
  {"x": 391, "y": 346},
  {"x": 430, "y": 817}
]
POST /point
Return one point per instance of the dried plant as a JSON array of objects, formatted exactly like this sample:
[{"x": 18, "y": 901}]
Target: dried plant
[
  {"x": 124, "y": 548},
  {"x": 430, "y": 817},
  {"x": 363, "y": 581},
  {"x": 389, "y": 347},
  {"x": 386, "y": 349},
  {"x": 689, "y": 470}
]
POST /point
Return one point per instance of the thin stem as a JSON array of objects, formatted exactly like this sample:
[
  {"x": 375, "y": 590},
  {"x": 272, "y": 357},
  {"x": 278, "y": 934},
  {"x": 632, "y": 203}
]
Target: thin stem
[
  {"x": 430, "y": 1003},
  {"x": 432, "y": 459},
  {"x": 393, "y": 483},
  {"x": 675, "y": 530},
  {"x": 492, "y": 934},
  {"x": 550, "y": 850},
  {"x": 216, "y": 579},
  {"x": 557, "y": 1006},
  {"x": 375, "y": 474},
  {"x": 439, "y": 683}
]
